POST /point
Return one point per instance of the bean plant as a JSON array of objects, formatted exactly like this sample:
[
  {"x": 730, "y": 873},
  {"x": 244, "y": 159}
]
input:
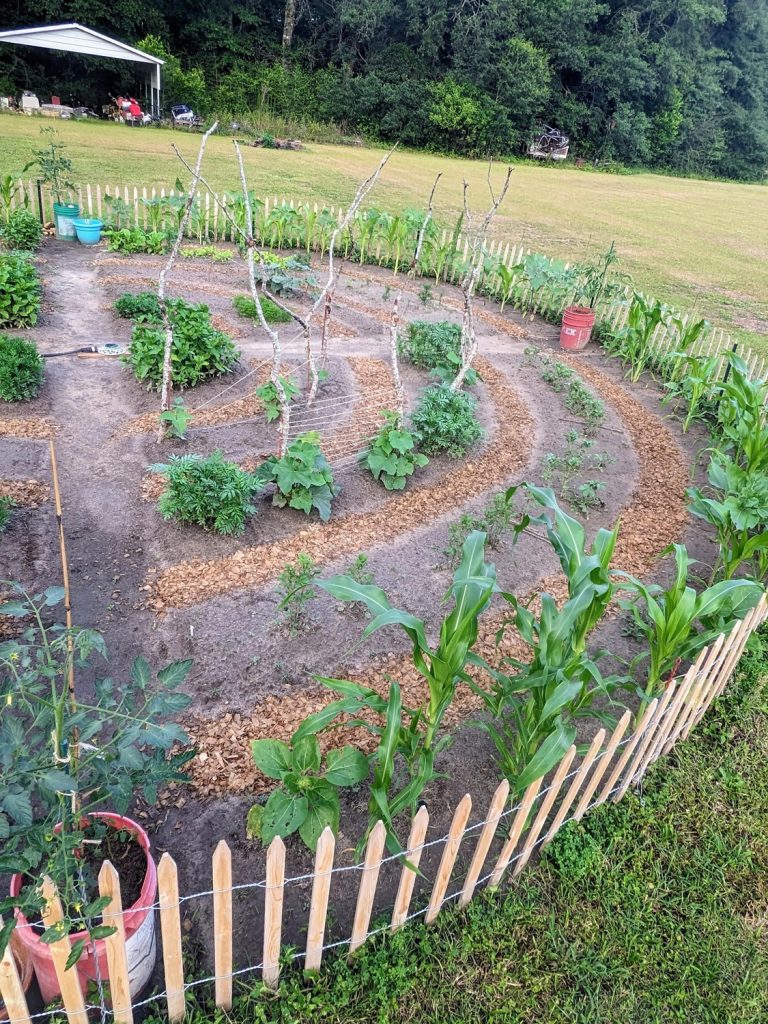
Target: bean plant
[
  {"x": 270, "y": 398},
  {"x": 409, "y": 737}
]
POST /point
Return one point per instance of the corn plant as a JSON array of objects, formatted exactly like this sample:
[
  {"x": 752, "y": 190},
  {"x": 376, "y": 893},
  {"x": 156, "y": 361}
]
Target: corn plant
[
  {"x": 410, "y": 736},
  {"x": 391, "y": 455},
  {"x": 678, "y": 622},
  {"x": 536, "y": 703},
  {"x": 742, "y": 426},
  {"x": 695, "y": 384},
  {"x": 368, "y": 224},
  {"x": 307, "y": 799},
  {"x": 509, "y": 278},
  {"x": 633, "y": 344}
]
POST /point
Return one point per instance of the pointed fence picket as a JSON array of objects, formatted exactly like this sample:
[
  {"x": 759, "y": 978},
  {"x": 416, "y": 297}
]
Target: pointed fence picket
[{"x": 606, "y": 771}]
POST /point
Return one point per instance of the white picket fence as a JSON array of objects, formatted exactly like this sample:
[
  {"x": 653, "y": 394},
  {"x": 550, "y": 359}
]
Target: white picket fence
[{"x": 611, "y": 765}]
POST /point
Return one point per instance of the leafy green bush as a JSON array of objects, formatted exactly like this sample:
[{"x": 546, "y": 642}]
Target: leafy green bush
[
  {"x": 209, "y": 492},
  {"x": 22, "y": 231},
  {"x": 445, "y": 421},
  {"x": 199, "y": 350},
  {"x": 19, "y": 290},
  {"x": 303, "y": 478},
  {"x": 136, "y": 240},
  {"x": 245, "y": 306},
  {"x": 391, "y": 456},
  {"x": 21, "y": 369},
  {"x": 268, "y": 394},
  {"x": 143, "y": 307},
  {"x": 435, "y": 347}
]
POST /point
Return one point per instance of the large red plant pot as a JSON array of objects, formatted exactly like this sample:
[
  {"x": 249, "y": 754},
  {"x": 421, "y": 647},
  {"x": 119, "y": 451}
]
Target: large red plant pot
[
  {"x": 576, "y": 328},
  {"x": 139, "y": 922}
]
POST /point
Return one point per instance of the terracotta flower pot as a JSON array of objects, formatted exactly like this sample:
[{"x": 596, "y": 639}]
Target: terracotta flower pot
[{"x": 138, "y": 919}]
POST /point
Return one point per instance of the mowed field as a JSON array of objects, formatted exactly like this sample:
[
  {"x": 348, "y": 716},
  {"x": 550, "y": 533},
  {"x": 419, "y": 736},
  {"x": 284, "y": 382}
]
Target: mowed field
[{"x": 700, "y": 245}]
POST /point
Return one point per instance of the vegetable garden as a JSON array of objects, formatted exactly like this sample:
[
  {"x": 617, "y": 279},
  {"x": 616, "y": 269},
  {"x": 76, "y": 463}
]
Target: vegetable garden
[{"x": 388, "y": 541}]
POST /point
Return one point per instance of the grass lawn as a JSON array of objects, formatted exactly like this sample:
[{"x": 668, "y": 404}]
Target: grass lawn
[
  {"x": 651, "y": 911},
  {"x": 698, "y": 244}
]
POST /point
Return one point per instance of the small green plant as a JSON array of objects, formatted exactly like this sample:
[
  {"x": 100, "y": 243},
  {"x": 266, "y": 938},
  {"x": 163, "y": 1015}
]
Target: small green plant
[
  {"x": 574, "y": 854},
  {"x": 133, "y": 240},
  {"x": 585, "y": 406},
  {"x": 19, "y": 290},
  {"x": 21, "y": 369},
  {"x": 246, "y": 307},
  {"x": 6, "y": 510},
  {"x": 425, "y": 294},
  {"x": 435, "y": 347},
  {"x": 296, "y": 590},
  {"x": 445, "y": 421},
  {"x": 561, "y": 471},
  {"x": 269, "y": 396},
  {"x": 54, "y": 167},
  {"x": 358, "y": 570},
  {"x": 177, "y": 419},
  {"x": 22, "y": 231},
  {"x": 391, "y": 456},
  {"x": 208, "y": 492},
  {"x": 633, "y": 344},
  {"x": 496, "y": 521},
  {"x": 595, "y": 281},
  {"x": 199, "y": 352},
  {"x": 207, "y": 252},
  {"x": 302, "y": 477},
  {"x": 144, "y": 307},
  {"x": 696, "y": 385},
  {"x": 307, "y": 799},
  {"x": 586, "y": 496}
]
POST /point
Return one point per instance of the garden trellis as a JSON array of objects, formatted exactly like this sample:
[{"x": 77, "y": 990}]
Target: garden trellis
[
  {"x": 285, "y": 223},
  {"x": 611, "y": 765}
]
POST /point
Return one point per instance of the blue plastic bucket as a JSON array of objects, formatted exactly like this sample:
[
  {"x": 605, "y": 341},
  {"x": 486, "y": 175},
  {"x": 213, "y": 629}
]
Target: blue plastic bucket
[{"x": 88, "y": 230}]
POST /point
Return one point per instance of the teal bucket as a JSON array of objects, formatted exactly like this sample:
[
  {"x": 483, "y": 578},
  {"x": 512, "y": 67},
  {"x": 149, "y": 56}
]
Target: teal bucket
[
  {"x": 64, "y": 218},
  {"x": 88, "y": 230}
]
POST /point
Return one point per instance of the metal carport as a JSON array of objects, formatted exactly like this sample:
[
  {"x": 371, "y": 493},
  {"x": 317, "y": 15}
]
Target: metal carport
[{"x": 74, "y": 38}]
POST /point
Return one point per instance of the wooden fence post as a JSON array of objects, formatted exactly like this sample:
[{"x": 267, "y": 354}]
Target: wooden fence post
[
  {"x": 600, "y": 768},
  {"x": 573, "y": 790},
  {"x": 273, "y": 912},
  {"x": 518, "y": 824},
  {"x": 69, "y": 982},
  {"x": 492, "y": 818},
  {"x": 318, "y": 907},
  {"x": 373, "y": 854},
  {"x": 170, "y": 929},
  {"x": 11, "y": 989},
  {"x": 222, "y": 924},
  {"x": 620, "y": 765},
  {"x": 448, "y": 859},
  {"x": 117, "y": 956},
  {"x": 546, "y": 807},
  {"x": 408, "y": 873},
  {"x": 638, "y": 761}
]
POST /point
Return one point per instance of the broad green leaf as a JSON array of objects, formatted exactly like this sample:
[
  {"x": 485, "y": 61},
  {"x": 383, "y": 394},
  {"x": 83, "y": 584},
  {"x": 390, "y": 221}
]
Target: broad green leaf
[
  {"x": 253, "y": 821},
  {"x": 346, "y": 767},
  {"x": 549, "y": 753},
  {"x": 54, "y": 596},
  {"x": 320, "y": 814},
  {"x": 344, "y": 588},
  {"x": 273, "y": 757},
  {"x": 175, "y": 673},
  {"x": 18, "y": 807},
  {"x": 75, "y": 953},
  {"x": 306, "y": 754},
  {"x": 141, "y": 673},
  {"x": 283, "y": 814}
]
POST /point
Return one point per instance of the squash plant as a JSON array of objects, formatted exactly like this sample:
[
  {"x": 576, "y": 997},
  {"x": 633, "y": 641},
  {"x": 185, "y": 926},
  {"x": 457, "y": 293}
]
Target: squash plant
[
  {"x": 268, "y": 395},
  {"x": 302, "y": 477},
  {"x": 307, "y": 799},
  {"x": 391, "y": 456}
]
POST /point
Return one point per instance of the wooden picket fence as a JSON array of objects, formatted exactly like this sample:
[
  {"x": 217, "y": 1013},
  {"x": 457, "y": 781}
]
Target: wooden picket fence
[
  {"x": 209, "y": 223},
  {"x": 611, "y": 765}
]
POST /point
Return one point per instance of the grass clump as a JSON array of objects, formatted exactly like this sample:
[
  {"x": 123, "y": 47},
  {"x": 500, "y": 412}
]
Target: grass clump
[
  {"x": 6, "y": 509},
  {"x": 21, "y": 369},
  {"x": 246, "y": 307},
  {"x": 445, "y": 421},
  {"x": 207, "y": 491}
]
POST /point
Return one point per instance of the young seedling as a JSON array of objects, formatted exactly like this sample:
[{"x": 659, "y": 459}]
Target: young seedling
[
  {"x": 296, "y": 590},
  {"x": 177, "y": 419}
]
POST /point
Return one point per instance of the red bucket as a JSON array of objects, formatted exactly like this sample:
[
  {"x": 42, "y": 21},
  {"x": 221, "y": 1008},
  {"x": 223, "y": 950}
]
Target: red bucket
[{"x": 576, "y": 329}]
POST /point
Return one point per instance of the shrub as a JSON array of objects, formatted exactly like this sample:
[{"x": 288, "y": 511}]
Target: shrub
[
  {"x": 199, "y": 350},
  {"x": 391, "y": 456},
  {"x": 435, "y": 347},
  {"x": 22, "y": 231},
  {"x": 445, "y": 421},
  {"x": 302, "y": 476},
  {"x": 21, "y": 369},
  {"x": 209, "y": 492},
  {"x": 245, "y": 306},
  {"x": 136, "y": 240},
  {"x": 19, "y": 290}
]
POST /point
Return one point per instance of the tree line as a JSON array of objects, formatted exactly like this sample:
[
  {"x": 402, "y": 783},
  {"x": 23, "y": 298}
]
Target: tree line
[{"x": 671, "y": 84}]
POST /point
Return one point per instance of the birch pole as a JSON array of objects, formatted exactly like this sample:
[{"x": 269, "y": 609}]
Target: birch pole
[
  {"x": 167, "y": 385},
  {"x": 471, "y": 276},
  {"x": 395, "y": 319}
]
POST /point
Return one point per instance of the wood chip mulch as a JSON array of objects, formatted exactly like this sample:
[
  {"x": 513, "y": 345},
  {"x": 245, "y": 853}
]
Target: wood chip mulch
[
  {"x": 31, "y": 428},
  {"x": 654, "y": 518},
  {"x": 25, "y": 493},
  {"x": 193, "y": 582}
]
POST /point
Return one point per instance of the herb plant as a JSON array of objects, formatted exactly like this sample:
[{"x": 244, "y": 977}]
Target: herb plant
[
  {"x": 445, "y": 421},
  {"x": 302, "y": 477},
  {"x": 21, "y": 369},
  {"x": 391, "y": 456},
  {"x": 19, "y": 290},
  {"x": 307, "y": 799},
  {"x": 296, "y": 590},
  {"x": 208, "y": 492}
]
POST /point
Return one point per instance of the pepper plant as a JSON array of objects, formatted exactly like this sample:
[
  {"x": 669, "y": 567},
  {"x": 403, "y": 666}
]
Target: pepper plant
[{"x": 62, "y": 758}]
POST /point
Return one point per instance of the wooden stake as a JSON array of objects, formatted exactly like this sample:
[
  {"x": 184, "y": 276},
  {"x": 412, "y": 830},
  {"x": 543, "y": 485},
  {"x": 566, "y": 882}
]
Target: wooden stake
[
  {"x": 69, "y": 980},
  {"x": 518, "y": 824},
  {"x": 117, "y": 956},
  {"x": 448, "y": 859},
  {"x": 11, "y": 989},
  {"x": 573, "y": 790},
  {"x": 602, "y": 765},
  {"x": 408, "y": 874},
  {"x": 546, "y": 806},
  {"x": 273, "y": 912},
  {"x": 222, "y": 924},
  {"x": 492, "y": 818},
  {"x": 318, "y": 907},
  {"x": 373, "y": 853},
  {"x": 170, "y": 928}
]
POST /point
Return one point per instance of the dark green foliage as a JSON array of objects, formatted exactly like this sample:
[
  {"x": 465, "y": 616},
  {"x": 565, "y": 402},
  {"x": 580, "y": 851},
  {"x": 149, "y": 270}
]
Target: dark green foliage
[
  {"x": 391, "y": 456},
  {"x": 269, "y": 395},
  {"x": 302, "y": 477},
  {"x": 496, "y": 521},
  {"x": 208, "y": 492},
  {"x": 199, "y": 350},
  {"x": 435, "y": 347},
  {"x": 143, "y": 307},
  {"x": 245, "y": 306},
  {"x": 132, "y": 240},
  {"x": 445, "y": 421},
  {"x": 6, "y": 508},
  {"x": 19, "y": 290},
  {"x": 23, "y": 230},
  {"x": 21, "y": 369}
]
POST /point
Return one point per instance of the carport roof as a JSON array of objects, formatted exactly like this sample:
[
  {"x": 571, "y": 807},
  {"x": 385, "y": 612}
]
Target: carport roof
[{"x": 74, "y": 38}]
